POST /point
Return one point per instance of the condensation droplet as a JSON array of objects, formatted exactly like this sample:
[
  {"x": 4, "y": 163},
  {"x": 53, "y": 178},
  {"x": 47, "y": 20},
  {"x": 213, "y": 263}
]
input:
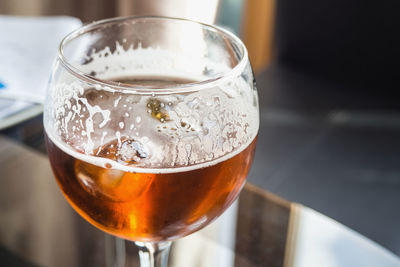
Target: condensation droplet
[
  {"x": 138, "y": 119},
  {"x": 121, "y": 125}
]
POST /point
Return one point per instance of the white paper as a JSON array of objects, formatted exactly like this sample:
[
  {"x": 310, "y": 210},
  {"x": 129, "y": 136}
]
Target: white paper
[{"x": 28, "y": 48}]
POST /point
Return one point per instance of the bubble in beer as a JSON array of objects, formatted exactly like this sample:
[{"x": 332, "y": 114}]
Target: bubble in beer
[
  {"x": 127, "y": 151},
  {"x": 157, "y": 110},
  {"x": 131, "y": 152}
]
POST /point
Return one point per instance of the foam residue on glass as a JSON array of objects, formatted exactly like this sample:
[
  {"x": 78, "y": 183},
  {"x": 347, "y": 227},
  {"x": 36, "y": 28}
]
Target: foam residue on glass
[{"x": 157, "y": 133}]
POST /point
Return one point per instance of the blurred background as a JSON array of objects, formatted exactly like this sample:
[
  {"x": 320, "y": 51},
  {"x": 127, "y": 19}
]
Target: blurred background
[{"x": 327, "y": 75}]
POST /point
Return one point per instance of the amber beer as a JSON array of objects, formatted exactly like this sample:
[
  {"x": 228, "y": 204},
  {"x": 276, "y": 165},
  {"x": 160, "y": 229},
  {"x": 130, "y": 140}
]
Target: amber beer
[{"x": 162, "y": 205}]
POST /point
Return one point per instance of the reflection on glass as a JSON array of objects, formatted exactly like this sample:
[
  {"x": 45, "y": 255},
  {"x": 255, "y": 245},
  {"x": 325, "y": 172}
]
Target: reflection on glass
[{"x": 213, "y": 246}]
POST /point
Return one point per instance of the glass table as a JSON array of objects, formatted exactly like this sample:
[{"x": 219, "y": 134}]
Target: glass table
[{"x": 39, "y": 228}]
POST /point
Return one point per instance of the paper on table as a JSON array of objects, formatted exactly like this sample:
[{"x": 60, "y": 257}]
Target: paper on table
[{"x": 28, "y": 47}]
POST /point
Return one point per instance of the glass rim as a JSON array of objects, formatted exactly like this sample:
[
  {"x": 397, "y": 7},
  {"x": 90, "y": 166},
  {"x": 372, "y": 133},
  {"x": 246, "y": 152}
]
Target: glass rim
[{"x": 166, "y": 89}]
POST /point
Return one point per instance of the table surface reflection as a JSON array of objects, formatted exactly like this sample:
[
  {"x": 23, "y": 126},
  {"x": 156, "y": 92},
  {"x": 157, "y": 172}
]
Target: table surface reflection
[{"x": 39, "y": 228}]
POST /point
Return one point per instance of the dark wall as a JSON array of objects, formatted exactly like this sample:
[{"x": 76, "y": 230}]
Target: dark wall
[{"x": 350, "y": 42}]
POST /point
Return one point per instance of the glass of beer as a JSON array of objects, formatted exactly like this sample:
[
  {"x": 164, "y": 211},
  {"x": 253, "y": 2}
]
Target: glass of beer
[{"x": 151, "y": 125}]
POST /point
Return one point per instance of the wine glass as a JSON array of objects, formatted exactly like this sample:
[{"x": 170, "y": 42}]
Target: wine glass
[{"x": 151, "y": 125}]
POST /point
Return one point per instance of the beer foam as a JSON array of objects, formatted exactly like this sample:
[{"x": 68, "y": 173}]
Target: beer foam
[
  {"x": 106, "y": 163},
  {"x": 152, "y": 61},
  {"x": 177, "y": 132}
]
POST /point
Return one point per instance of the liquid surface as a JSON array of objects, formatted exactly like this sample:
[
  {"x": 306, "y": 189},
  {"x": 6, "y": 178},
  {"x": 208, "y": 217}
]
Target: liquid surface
[{"x": 153, "y": 81}]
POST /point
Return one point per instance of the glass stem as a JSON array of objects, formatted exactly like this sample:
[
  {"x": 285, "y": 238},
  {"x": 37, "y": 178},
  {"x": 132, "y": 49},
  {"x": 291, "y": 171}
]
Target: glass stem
[{"x": 153, "y": 254}]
